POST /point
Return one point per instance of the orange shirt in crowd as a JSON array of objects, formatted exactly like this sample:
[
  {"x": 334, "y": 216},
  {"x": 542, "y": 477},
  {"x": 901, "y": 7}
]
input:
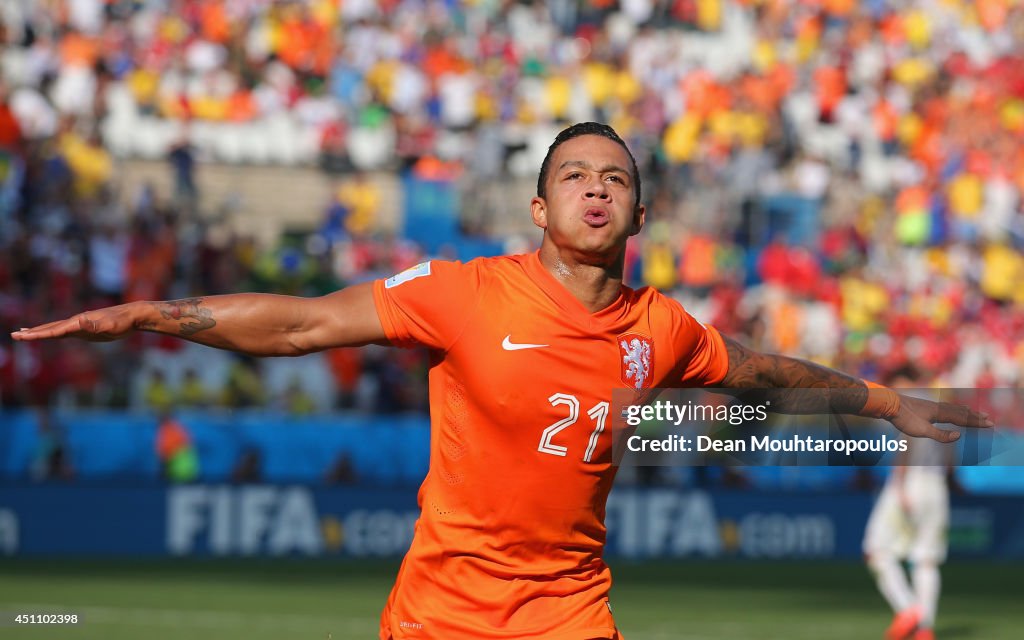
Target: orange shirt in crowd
[
  {"x": 215, "y": 25},
  {"x": 77, "y": 50},
  {"x": 171, "y": 437}
]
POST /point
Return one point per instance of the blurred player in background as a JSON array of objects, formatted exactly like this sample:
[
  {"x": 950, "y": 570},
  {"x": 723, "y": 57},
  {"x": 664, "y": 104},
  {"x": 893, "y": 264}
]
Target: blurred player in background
[
  {"x": 909, "y": 523},
  {"x": 526, "y": 351}
]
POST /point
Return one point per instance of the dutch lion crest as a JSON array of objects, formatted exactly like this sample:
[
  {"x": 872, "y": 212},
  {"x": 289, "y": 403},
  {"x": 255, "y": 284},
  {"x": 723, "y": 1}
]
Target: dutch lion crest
[{"x": 636, "y": 360}]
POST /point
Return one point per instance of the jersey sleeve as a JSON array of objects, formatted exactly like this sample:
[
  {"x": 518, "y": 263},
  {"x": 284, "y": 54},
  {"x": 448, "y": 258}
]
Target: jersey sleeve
[
  {"x": 428, "y": 304},
  {"x": 700, "y": 354}
]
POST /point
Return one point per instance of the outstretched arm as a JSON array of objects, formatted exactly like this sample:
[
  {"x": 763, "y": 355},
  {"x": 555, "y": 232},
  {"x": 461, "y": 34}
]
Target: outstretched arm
[
  {"x": 841, "y": 393},
  {"x": 254, "y": 323}
]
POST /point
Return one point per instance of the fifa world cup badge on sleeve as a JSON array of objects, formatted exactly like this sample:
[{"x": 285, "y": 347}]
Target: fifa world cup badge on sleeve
[{"x": 420, "y": 270}]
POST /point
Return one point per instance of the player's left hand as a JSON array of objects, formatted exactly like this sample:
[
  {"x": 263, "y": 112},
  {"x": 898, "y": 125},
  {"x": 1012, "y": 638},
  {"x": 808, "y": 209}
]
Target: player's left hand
[{"x": 917, "y": 418}]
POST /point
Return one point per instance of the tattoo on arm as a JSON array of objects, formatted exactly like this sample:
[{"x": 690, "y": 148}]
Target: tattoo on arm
[
  {"x": 191, "y": 316},
  {"x": 788, "y": 380}
]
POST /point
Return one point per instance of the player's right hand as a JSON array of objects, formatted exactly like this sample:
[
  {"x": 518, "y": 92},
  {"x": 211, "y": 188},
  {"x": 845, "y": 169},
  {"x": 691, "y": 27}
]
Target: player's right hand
[{"x": 101, "y": 325}]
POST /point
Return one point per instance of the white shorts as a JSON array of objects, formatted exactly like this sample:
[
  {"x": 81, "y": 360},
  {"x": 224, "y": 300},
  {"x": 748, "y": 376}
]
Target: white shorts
[{"x": 919, "y": 534}]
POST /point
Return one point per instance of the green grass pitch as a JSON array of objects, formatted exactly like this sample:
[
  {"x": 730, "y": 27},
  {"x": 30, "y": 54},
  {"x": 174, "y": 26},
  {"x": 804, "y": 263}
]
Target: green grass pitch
[{"x": 252, "y": 600}]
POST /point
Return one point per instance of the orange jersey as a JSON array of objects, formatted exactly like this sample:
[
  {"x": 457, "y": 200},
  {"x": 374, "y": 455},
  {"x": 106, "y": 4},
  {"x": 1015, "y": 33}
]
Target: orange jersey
[{"x": 510, "y": 537}]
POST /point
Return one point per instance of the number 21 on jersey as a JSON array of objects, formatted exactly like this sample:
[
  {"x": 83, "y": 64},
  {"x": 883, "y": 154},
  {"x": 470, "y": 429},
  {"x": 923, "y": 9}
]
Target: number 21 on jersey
[{"x": 598, "y": 414}]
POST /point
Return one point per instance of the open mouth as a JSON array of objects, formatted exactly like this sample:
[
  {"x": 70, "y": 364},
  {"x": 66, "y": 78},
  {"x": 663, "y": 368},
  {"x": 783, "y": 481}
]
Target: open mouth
[{"x": 596, "y": 217}]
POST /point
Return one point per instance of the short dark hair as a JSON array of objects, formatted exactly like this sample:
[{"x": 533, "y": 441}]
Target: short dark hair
[{"x": 575, "y": 131}]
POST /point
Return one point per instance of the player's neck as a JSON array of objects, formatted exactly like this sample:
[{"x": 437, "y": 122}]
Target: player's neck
[{"x": 596, "y": 284}]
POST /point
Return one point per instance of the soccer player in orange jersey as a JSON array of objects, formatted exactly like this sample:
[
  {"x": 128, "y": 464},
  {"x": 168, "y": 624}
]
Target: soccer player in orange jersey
[{"x": 526, "y": 351}]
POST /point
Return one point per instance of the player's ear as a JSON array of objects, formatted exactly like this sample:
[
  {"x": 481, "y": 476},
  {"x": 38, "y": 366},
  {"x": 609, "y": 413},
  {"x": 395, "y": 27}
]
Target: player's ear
[
  {"x": 539, "y": 212},
  {"x": 639, "y": 215}
]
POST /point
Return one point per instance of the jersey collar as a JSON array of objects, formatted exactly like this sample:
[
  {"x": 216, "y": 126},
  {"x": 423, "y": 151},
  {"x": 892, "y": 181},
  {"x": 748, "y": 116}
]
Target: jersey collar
[{"x": 567, "y": 302}]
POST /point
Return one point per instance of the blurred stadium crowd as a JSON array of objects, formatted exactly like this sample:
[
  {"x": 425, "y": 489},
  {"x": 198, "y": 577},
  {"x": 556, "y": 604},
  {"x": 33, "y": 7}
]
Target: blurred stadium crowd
[{"x": 831, "y": 179}]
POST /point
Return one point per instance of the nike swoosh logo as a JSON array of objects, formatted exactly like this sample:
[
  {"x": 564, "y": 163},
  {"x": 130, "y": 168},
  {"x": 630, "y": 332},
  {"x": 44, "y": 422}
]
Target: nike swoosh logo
[{"x": 508, "y": 345}]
